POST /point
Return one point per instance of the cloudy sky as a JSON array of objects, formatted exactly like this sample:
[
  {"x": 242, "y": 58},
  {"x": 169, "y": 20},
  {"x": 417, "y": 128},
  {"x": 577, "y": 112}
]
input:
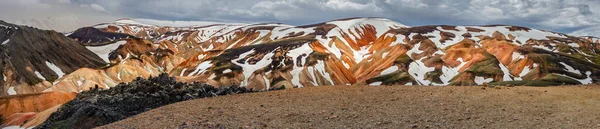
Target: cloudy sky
[{"x": 579, "y": 17}]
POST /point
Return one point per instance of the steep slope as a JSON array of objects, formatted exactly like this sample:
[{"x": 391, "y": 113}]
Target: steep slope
[{"x": 32, "y": 59}]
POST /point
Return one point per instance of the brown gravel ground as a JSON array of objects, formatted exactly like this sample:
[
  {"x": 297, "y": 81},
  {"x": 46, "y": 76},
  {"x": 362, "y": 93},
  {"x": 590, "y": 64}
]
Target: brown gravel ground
[{"x": 384, "y": 107}]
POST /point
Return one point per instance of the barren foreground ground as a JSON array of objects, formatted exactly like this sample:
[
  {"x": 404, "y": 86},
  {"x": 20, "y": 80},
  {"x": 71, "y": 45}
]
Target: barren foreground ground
[{"x": 385, "y": 106}]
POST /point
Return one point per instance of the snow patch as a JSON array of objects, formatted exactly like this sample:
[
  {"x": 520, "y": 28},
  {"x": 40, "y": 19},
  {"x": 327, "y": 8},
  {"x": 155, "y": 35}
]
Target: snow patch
[
  {"x": 268, "y": 84},
  {"x": 248, "y": 69},
  {"x": 449, "y": 73},
  {"x": 384, "y": 54},
  {"x": 11, "y": 91},
  {"x": 103, "y": 51},
  {"x": 417, "y": 70},
  {"x": 480, "y": 80},
  {"x": 521, "y": 36},
  {"x": 6, "y": 41},
  {"x": 345, "y": 64},
  {"x": 507, "y": 75},
  {"x": 55, "y": 68},
  {"x": 201, "y": 56},
  {"x": 119, "y": 75},
  {"x": 587, "y": 80},
  {"x": 517, "y": 56},
  {"x": 304, "y": 51},
  {"x": 414, "y": 49},
  {"x": 361, "y": 54},
  {"x": 183, "y": 71},
  {"x": 573, "y": 44},
  {"x": 201, "y": 68},
  {"x": 320, "y": 67},
  {"x": 375, "y": 83},
  {"x": 389, "y": 70},
  {"x": 381, "y": 25},
  {"x": 399, "y": 40},
  {"x": 311, "y": 71},
  {"x": 542, "y": 47},
  {"x": 39, "y": 75},
  {"x": 569, "y": 68},
  {"x": 526, "y": 70},
  {"x": 80, "y": 82}
]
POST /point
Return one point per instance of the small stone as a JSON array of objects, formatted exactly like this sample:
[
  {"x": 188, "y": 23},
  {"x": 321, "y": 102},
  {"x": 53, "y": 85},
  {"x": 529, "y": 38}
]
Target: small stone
[
  {"x": 333, "y": 116},
  {"x": 414, "y": 126}
]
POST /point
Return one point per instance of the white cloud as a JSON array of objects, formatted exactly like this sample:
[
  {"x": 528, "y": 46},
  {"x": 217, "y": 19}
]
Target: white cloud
[
  {"x": 64, "y": 1},
  {"x": 590, "y": 31},
  {"x": 345, "y": 5},
  {"x": 97, "y": 7},
  {"x": 60, "y": 15}
]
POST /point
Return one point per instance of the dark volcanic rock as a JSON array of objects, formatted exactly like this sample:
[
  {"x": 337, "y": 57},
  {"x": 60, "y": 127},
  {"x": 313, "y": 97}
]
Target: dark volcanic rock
[
  {"x": 99, "y": 107},
  {"x": 92, "y": 36},
  {"x": 25, "y": 51}
]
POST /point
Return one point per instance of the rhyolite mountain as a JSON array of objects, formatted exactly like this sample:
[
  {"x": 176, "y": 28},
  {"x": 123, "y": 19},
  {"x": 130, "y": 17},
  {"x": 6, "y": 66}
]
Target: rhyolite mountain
[
  {"x": 31, "y": 59},
  {"x": 352, "y": 51},
  {"x": 372, "y": 51}
]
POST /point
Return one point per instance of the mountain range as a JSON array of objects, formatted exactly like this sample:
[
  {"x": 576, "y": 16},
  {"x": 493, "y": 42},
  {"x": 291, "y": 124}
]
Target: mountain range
[{"x": 41, "y": 64}]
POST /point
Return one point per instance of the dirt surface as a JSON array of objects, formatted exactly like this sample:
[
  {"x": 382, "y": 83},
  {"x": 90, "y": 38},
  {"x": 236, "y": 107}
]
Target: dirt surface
[{"x": 384, "y": 107}]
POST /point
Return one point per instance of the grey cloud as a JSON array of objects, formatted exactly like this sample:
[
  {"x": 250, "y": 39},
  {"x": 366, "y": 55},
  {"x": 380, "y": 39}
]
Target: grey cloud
[{"x": 567, "y": 16}]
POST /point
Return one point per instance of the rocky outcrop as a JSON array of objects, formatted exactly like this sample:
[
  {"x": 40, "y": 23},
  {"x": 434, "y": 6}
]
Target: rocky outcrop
[{"x": 98, "y": 107}]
